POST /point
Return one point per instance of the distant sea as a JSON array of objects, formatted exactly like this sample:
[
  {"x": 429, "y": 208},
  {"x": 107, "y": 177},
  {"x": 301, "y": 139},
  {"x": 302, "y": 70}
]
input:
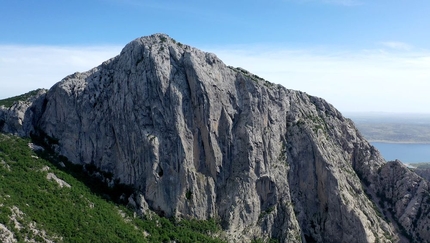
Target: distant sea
[{"x": 405, "y": 152}]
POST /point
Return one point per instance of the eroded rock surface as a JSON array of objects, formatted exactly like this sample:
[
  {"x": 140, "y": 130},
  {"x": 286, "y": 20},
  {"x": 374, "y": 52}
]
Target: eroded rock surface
[{"x": 20, "y": 118}]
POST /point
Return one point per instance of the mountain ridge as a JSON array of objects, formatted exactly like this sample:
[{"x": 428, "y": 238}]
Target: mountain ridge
[{"x": 199, "y": 139}]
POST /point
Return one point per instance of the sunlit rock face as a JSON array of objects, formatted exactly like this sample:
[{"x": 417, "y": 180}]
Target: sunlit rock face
[
  {"x": 199, "y": 139},
  {"x": 19, "y": 119}
]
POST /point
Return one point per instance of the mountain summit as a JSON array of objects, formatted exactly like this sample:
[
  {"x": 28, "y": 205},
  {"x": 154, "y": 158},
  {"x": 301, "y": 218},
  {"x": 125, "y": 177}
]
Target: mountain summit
[{"x": 198, "y": 139}]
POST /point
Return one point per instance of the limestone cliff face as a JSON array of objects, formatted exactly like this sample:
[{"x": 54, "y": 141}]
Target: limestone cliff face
[
  {"x": 405, "y": 197},
  {"x": 19, "y": 119},
  {"x": 423, "y": 172},
  {"x": 200, "y": 139}
]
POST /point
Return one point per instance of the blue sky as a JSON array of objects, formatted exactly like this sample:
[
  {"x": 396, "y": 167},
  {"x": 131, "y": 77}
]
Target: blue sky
[{"x": 360, "y": 55}]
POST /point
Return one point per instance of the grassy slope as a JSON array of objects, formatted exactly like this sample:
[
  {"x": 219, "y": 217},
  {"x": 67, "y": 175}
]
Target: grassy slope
[{"x": 76, "y": 214}]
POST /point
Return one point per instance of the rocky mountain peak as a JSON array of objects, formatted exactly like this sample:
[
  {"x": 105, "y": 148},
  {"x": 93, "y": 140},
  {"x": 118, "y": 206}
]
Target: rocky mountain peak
[{"x": 199, "y": 139}]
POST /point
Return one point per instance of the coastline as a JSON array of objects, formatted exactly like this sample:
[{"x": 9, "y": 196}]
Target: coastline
[{"x": 399, "y": 142}]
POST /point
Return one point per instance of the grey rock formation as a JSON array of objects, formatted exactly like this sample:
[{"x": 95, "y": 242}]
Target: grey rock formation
[
  {"x": 19, "y": 119},
  {"x": 199, "y": 139},
  {"x": 6, "y": 236},
  {"x": 405, "y": 197},
  {"x": 423, "y": 172}
]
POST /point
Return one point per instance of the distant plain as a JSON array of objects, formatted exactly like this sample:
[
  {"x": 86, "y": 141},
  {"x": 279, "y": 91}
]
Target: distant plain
[
  {"x": 393, "y": 128},
  {"x": 397, "y": 136}
]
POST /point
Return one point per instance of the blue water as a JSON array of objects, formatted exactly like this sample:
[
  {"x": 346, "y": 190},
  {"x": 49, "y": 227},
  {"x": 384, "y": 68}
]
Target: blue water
[{"x": 407, "y": 153}]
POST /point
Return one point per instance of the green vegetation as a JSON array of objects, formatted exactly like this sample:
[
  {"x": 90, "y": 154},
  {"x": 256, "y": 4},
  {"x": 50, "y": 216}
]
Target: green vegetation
[
  {"x": 189, "y": 195},
  {"x": 318, "y": 124},
  {"x": 10, "y": 101},
  {"x": 86, "y": 212},
  {"x": 253, "y": 77},
  {"x": 265, "y": 213},
  {"x": 163, "y": 39},
  {"x": 177, "y": 42},
  {"x": 282, "y": 155}
]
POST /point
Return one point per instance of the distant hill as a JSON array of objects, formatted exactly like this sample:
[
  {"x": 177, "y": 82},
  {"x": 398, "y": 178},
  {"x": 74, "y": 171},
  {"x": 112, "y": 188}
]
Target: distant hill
[{"x": 393, "y": 128}]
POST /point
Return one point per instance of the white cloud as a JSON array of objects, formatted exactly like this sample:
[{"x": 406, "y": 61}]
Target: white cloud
[
  {"x": 24, "y": 68},
  {"x": 397, "y": 45},
  {"x": 352, "y": 81}
]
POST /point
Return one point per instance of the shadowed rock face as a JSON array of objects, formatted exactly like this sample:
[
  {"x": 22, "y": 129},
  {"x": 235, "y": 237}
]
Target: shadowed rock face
[{"x": 199, "y": 139}]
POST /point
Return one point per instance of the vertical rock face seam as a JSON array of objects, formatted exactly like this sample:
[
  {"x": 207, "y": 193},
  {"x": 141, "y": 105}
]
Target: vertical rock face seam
[{"x": 199, "y": 139}]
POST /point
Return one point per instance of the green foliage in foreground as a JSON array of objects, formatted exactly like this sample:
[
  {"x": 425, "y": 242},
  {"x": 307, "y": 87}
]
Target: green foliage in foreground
[
  {"x": 75, "y": 214},
  {"x": 10, "y": 101}
]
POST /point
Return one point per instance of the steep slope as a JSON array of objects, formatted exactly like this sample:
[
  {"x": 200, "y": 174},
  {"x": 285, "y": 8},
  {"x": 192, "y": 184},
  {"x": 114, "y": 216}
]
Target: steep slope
[
  {"x": 34, "y": 208},
  {"x": 422, "y": 169},
  {"x": 199, "y": 139}
]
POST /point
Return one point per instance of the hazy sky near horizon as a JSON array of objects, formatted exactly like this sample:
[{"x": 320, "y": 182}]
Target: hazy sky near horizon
[{"x": 360, "y": 55}]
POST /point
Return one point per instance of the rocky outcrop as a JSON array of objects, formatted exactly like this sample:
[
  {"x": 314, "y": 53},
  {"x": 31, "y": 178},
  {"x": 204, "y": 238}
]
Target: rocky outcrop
[
  {"x": 6, "y": 236},
  {"x": 423, "y": 172},
  {"x": 200, "y": 139},
  {"x": 405, "y": 197},
  {"x": 19, "y": 119}
]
